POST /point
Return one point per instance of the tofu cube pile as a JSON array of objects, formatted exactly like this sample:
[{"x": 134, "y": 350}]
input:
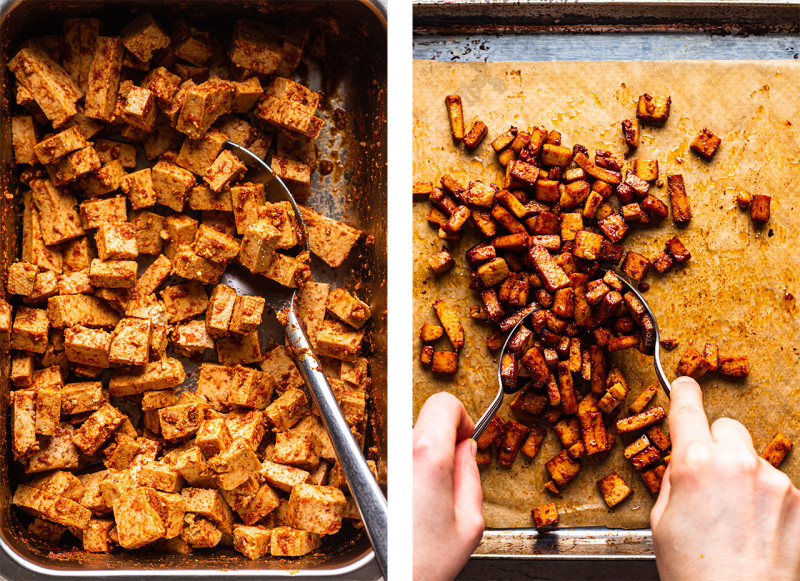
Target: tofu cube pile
[{"x": 132, "y": 211}]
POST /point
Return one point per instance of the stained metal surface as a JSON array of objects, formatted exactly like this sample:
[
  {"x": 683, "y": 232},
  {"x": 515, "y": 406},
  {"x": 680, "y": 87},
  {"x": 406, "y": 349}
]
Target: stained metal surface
[
  {"x": 352, "y": 78},
  {"x": 493, "y": 31}
]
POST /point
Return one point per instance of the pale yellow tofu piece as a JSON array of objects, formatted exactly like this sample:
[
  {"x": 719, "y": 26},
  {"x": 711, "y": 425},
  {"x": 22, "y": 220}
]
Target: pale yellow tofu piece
[
  {"x": 214, "y": 245},
  {"x": 287, "y": 410},
  {"x": 348, "y": 308},
  {"x": 252, "y": 542},
  {"x": 289, "y": 542},
  {"x": 181, "y": 420},
  {"x": 171, "y": 184},
  {"x": 289, "y": 271},
  {"x": 22, "y": 369},
  {"x": 138, "y": 521},
  {"x": 247, "y": 425},
  {"x": 160, "y": 477},
  {"x": 59, "y": 144},
  {"x": 189, "y": 264},
  {"x": 140, "y": 108},
  {"x": 192, "y": 338},
  {"x": 220, "y": 310},
  {"x": 23, "y": 139},
  {"x": 339, "y": 341},
  {"x": 80, "y": 397},
  {"x": 21, "y": 278},
  {"x": 213, "y": 437},
  {"x": 247, "y": 312},
  {"x": 239, "y": 349},
  {"x": 23, "y": 424},
  {"x": 250, "y": 388},
  {"x": 202, "y": 105},
  {"x": 317, "y": 509},
  {"x": 200, "y": 532},
  {"x": 75, "y": 283},
  {"x": 329, "y": 239},
  {"x": 162, "y": 374},
  {"x": 96, "y": 212},
  {"x": 215, "y": 383},
  {"x": 185, "y": 300},
  {"x": 148, "y": 227},
  {"x": 139, "y": 188},
  {"x": 57, "y": 452},
  {"x": 248, "y": 200},
  {"x": 113, "y": 274},
  {"x": 260, "y": 505},
  {"x": 131, "y": 342},
  {"x": 319, "y": 476},
  {"x": 234, "y": 465},
  {"x": 311, "y": 307},
  {"x": 298, "y": 448},
  {"x": 117, "y": 241},
  {"x": 30, "y": 329},
  {"x": 84, "y": 310},
  {"x": 193, "y": 467},
  {"x": 209, "y": 504},
  {"x": 242, "y": 494},
  {"x": 104, "y": 77},
  {"x": 197, "y": 155},
  {"x": 50, "y": 507},
  {"x": 258, "y": 247},
  {"x": 143, "y": 36},
  {"x": 47, "y": 531},
  {"x": 96, "y": 538},
  {"x": 48, "y": 409},
  {"x": 278, "y": 363},
  {"x": 97, "y": 429},
  {"x": 58, "y": 218}
]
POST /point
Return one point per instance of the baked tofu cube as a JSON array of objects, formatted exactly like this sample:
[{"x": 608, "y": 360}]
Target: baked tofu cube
[
  {"x": 251, "y": 388},
  {"x": 140, "y": 108},
  {"x": 94, "y": 213},
  {"x": 202, "y": 105},
  {"x": 171, "y": 184},
  {"x": 289, "y": 542},
  {"x": 734, "y": 366},
  {"x": 613, "y": 489},
  {"x": 116, "y": 240},
  {"x": 23, "y": 424},
  {"x": 234, "y": 465},
  {"x": 181, "y": 420},
  {"x": 444, "y": 362},
  {"x": 258, "y": 251},
  {"x": 104, "y": 79},
  {"x": 160, "y": 476},
  {"x": 546, "y": 515},
  {"x": 298, "y": 448},
  {"x": 226, "y": 169},
  {"x": 777, "y": 450},
  {"x": 588, "y": 244},
  {"x": 21, "y": 277},
  {"x": 339, "y": 341},
  {"x": 139, "y": 188},
  {"x": 562, "y": 468},
  {"x": 677, "y": 250},
  {"x": 54, "y": 146},
  {"x": 641, "y": 420},
  {"x": 138, "y": 521},
  {"x": 653, "y": 108},
  {"x": 143, "y": 36},
  {"x": 185, "y": 300},
  {"x": 112, "y": 273},
  {"x": 46, "y": 83},
  {"x": 156, "y": 375},
  {"x": 239, "y": 349},
  {"x": 214, "y": 245},
  {"x": 759, "y": 208},
  {"x": 705, "y": 144},
  {"x": 681, "y": 211},
  {"x": 692, "y": 363},
  {"x": 131, "y": 342},
  {"x": 246, "y": 315},
  {"x": 329, "y": 239},
  {"x": 635, "y": 266},
  {"x": 278, "y": 363},
  {"x": 317, "y": 509},
  {"x": 23, "y": 138},
  {"x": 251, "y": 541},
  {"x": 253, "y": 47},
  {"x": 197, "y": 155},
  {"x": 30, "y": 330},
  {"x": 97, "y": 428},
  {"x": 58, "y": 218},
  {"x": 287, "y": 409},
  {"x": 441, "y": 261}
]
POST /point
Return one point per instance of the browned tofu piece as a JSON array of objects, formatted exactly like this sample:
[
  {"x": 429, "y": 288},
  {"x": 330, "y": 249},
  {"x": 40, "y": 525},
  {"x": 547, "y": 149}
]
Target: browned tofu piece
[
  {"x": 681, "y": 212},
  {"x": 777, "y": 450},
  {"x": 329, "y": 239},
  {"x": 692, "y": 363},
  {"x": 456, "y": 114},
  {"x": 171, "y": 184},
  {"x": 46, "y": 82},
  {"x": 59, "y": 144},
  {"x": 112, "y": 273},
  {"x": 759, "y": 208},
  {"x": 104, "y": 78},
  {"x": 23, "y": 139},
  {"x": 77, "y": 398},
  {"x": 641, "y": 420},
  {"x": 638, "y": 405},
  {"x": 734, "y": 365},
  {"x": 185, "y": 300},
  {"x": 257, "y": 252},
  {"x": 562, "y": 468},
  {"x": 653, "y": 108},
  {"x": 635, "y": 266},
  {"x": 251, "y": 541},
  {"x": 30, "y": 330},
  {"x": 58, "y": 218},
  {"x": 45, "y": 505},
  {"x": 705, "y": 144},
  {"x": 546, "y": 515},
  {"x": 156, "y": 375},
  {"x": 239, "y": 349},
  {"x": 340, "y": 341},
  {"x": 137, "y": 518},
  {"x": 450, "y": 321},
  {"x": 552, "y": 275},
  {"x": 613, "y": 489},
  {"x": 202, "y": 105},
  {"x": 253, "y": 46},
  {"x": 289, "y": 542}
]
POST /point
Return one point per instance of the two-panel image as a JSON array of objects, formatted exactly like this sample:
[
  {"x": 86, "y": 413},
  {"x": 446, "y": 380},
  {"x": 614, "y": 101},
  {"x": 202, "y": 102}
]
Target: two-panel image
[{"x": 595, "y": 368}]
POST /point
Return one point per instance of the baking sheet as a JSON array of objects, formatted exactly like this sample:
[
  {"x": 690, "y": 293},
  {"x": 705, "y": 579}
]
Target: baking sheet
[{"x": 736, "y": 289}]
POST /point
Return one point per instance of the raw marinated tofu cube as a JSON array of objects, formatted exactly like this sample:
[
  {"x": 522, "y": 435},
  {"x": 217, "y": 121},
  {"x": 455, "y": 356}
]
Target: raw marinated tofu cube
[
  {"x": 191, "y": 44},
  {"x": 75, "y": 283},
  {"x": 139, "y": 188},
  {"x": 279, "y": 364},
  {"x": 202, "y": 105},
  {"x": 80, "y": 35},
  {"x": 104, "y": 180},
  {"x": 192, "y": 466},
  {"x": 94, "y": 213},
  {"x": 160, "y": 476},
  {"x": 339, "y": 341},
  {"x": 23, "y": 138},
  {"x": 77, "y": 255},
  {"x": 200, "y": 532},
  {"x": 298, "y": 448},
  {"x": 329, "y": 239},
  {"x": 138, "y": 521},
  {"x": 316, "y": 509},
  {"x": 209, "y": 504},
  {"x": 285, "y": 411},
  {"x": 197, "y": 155},
  {"x": 248, "y": 201},
  {"x": 180, "y": 230},
  {"x": 212, "y": 244},
  {"x": 289, "y": 105},
  {"x": 57, "y": 452},
  {"x": 22, "y": 369},
  {"x": 252, "y": 542},
  {"x": 143, "y": 36},
  {"x": 77, "y": 398},
  {"x": 131, "y": 342},
  {"x": 58, "y": 218},
  {"x": 254, "y": 47},
  {"x": 248, "y": 425},
  {"x": 171, "y": 184},
  {"x": 262, "y": 503},
  {"x": 50, "y": 507},
  {"x": 234, "y": 465},
  {"x": 45, "y": 285},
  {"x": 96, "y": 537},
  {"x": 291, "y": 171},
  {"x": 348, "y": 308},
  {"x": 179, "y": 421},
  {"x": 287, "y": 270},
  {"x": 23, "y": 424},
  {"x": 48, "y": 409},
  {"x": 116, "y": 241},
  {"x": 33, "y": 246},
  {"x": 156, "y": 375},
  {"x": 225, "y": 170},
  {"x": 112, "y": 273},
  {"x": 140, "y": 108},
  {"x": 201, "y": 197},
  {"x": 96, "y": 430},
  {"x": 109, "y": 151},
  {"x": 283, "y": 477},
  {"x": 49, "y": 532},
  {"x": 121, "y": 452},
  {"x": 192, "y": 338},
  {"x": 104, "y": 77},
  {"x": 215, "y": 383},
  {"x": 239, "y": 349},
  {"x": 29, "y": 331},
  {"x": 258, "y": 247},
  {"x": 220, "y": 310},
  {"x": 213, "y": 437},
  {"x": 72, "y": 310},
  {"x": 246, "y": 316},
  {"x": 57, "y": 145},
  {"x": 246, "y": 94},
  {"x": 283, "y": 218},
  {"x": 184, "y": 300},
  {"x": 172, "y": 509},
  {"x": 21, "y": 277},
  {"x": 148, "y": 228},
  {"x": 289, "y": 542},
  {"x": 251, "y": 388},
  {"x": 192, "y": 266}
]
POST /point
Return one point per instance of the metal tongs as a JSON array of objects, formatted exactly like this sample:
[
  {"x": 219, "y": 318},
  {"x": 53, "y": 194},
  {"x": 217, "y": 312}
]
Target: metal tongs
[
  {"x": 503, "y": 389},
  {"x": 365, "y": 489}
]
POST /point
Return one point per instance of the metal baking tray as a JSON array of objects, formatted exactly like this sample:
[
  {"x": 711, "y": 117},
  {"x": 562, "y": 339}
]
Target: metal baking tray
[
  {"x": 352, "y": 77},
  {"x": 588, "y": 30}
]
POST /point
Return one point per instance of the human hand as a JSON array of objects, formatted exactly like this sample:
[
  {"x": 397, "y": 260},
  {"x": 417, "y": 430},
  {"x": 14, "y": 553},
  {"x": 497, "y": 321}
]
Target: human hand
[
  {"x": 723, "y": 512},
  {"x": 448, "y": 517}
]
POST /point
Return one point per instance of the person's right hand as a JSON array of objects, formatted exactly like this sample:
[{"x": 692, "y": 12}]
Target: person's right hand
[{"x": 723, "y": 513}]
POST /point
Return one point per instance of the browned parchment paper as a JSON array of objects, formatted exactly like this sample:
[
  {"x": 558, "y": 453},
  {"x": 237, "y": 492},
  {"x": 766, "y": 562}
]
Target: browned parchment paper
[{"x": 735, "y": 290}]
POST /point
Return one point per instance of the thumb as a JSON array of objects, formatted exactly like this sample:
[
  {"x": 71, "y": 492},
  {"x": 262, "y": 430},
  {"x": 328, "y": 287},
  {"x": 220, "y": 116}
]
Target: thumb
[
  {"x": 687, "y": 419},
  {"x": 467, "y": 493}
]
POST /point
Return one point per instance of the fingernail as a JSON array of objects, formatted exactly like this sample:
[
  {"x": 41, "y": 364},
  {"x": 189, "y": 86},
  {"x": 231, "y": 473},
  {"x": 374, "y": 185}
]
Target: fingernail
[
  {"x": 473, "y": 447},
  {"x": 684, "y": 380}
]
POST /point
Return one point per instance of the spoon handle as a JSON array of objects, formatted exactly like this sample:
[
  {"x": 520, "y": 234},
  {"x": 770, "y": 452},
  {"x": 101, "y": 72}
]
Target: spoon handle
[
  {"x": 365, "y": 489},
  {"x": 487, "y": 416}
]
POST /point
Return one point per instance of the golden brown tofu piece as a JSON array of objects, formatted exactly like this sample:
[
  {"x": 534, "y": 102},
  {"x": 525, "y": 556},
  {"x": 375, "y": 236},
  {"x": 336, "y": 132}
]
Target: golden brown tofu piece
[
  {"x": 613, "y": 489},
  {"x": 476, "y": 134},
  {"x": 638, "y": 405},
  {"x": 630, "y": 134},
  {"x": 641, "y": 420},
  {"x": 777, "y": 450},
  {"x": 734, "y": 365},
  {"x": 552, "y": 275},
  {"x": 759, "y": 208},
  {"x": 562, "y": 468},
  {"x": 251, "y": 541},
  {"x": 653, "y": 108},
  {"x": 546, "y": 515},
  {"x": 450, "y": 321},
  {"x": 441, "y": 261},
  {"x": 681, "y": 212},
  {"x": 692, "y": 363},
  {"x": 705, "y": 144}
]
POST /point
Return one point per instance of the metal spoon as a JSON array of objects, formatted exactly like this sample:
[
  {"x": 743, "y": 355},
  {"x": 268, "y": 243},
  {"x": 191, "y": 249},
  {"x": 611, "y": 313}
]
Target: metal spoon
[
  {"x": 365, "y": 489},
  {"x": 487, "y": 416}
]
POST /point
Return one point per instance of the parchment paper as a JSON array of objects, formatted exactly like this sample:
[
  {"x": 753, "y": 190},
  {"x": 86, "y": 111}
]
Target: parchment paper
[{"x": 733, "y": 290}]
